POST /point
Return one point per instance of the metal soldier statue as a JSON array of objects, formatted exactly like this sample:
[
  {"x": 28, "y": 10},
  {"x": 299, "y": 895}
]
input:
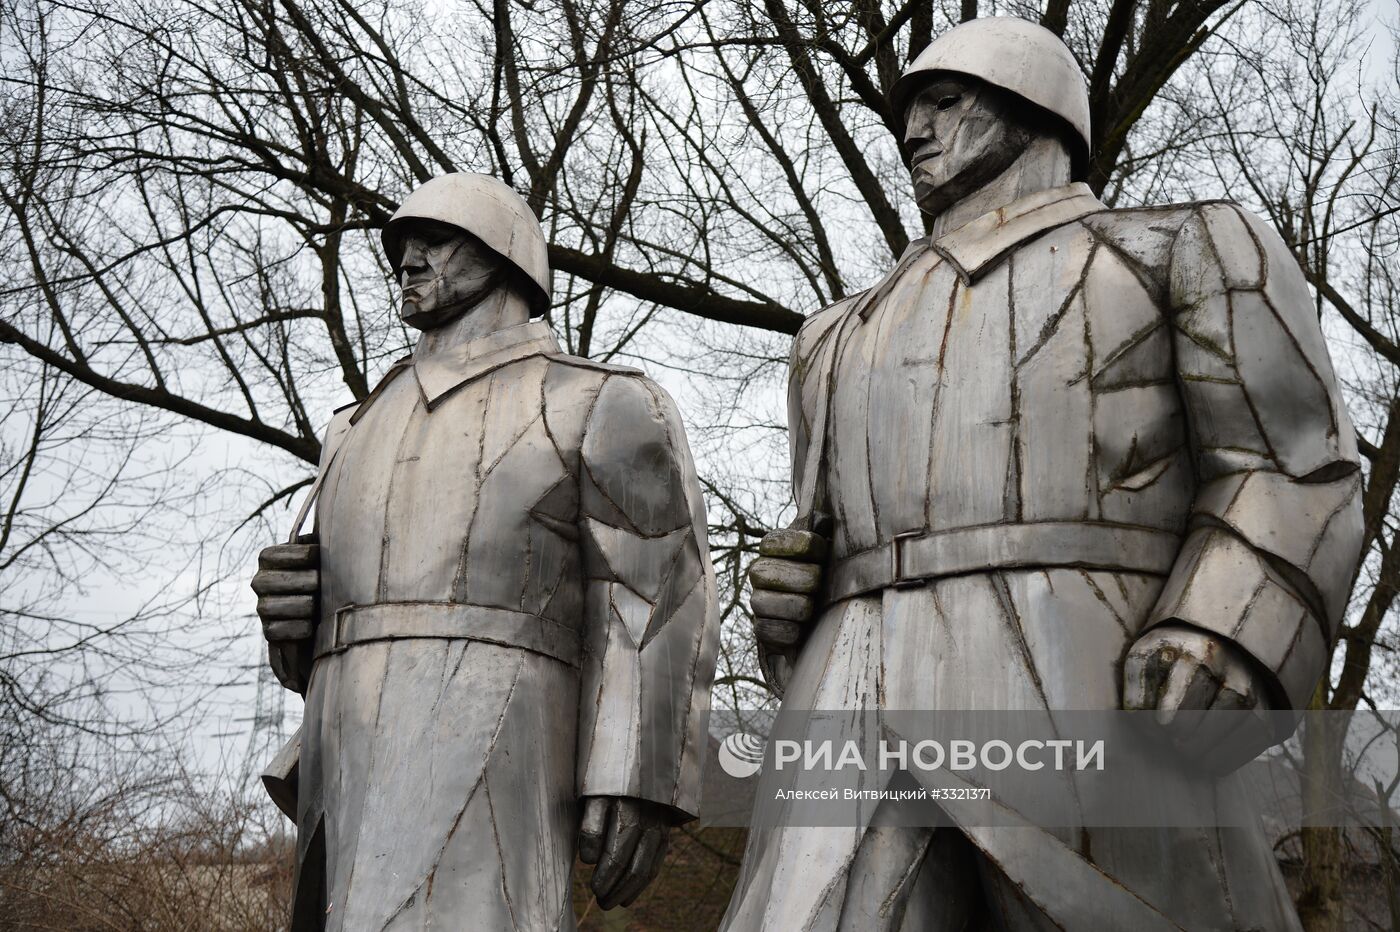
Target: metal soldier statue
[
  {"x": 505, "y": 623},
  {"x": 1061, "y": 457}
]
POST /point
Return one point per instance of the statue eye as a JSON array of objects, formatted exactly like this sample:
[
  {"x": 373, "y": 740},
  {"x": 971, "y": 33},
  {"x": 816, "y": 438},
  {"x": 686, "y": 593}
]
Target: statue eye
[{"x": 949, "y": 102}]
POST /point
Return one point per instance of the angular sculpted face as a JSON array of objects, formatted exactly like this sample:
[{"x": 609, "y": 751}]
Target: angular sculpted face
[
  {"x": 961, "y": 134},
  {"x": 444, "y": 272}
]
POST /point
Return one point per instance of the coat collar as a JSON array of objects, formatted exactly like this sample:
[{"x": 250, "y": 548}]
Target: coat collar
[
  {"x": 977, "y": 245},
  {"x": 444, "y": 372}
]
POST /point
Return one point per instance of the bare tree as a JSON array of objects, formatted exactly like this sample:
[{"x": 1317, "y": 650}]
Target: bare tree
[
  {"x": 192, "y": 191},
  {"x": 1299, "y": 136}
]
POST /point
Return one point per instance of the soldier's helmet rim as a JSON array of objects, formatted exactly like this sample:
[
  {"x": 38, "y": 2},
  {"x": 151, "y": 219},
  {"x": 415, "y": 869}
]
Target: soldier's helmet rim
[
  {"x": 488, "y": 209},
  {"x": 1018, "y": 56}
]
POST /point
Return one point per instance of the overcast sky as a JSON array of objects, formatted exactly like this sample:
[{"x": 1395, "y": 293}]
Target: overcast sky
[{"x": 221, "y": 726}]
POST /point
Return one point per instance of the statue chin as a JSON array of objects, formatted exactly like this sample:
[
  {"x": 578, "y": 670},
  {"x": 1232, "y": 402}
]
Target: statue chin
[
  {"x": 935, "y": 193},
  {"x": 430, "y": 315},
  {"x": 434, "y": 306},
  {"x": 934, "y": 198},
  {"x": 931, "y": 201},
  {"x": 428, "y": 318}
]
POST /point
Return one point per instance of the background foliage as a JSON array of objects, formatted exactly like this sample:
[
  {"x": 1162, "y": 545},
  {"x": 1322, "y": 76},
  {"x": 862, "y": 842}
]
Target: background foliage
[{"x": 190, "y": 194}]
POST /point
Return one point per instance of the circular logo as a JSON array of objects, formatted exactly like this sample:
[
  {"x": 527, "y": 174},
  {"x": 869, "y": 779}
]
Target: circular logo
[{"x": 741, "y": 755}]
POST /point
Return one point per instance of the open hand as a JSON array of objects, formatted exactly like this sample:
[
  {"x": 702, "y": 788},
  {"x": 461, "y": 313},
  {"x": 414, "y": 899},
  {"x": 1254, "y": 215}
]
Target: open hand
[{"x": 626, "y": 838}]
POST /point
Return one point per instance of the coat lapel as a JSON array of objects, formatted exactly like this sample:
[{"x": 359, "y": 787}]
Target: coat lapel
[
  {"x": 977, "y": 245},
  {"x": 445, "y": 372}
]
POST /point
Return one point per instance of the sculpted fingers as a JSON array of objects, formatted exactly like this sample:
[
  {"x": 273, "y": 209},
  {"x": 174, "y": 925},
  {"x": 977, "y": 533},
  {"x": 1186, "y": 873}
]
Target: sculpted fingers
[
  {"x": 1241, "y": 725},
  {"x": 592, "y": 829},
  {"x": 777, "y": 632},
  {"x": 784, "y": 580},
  {"x": 286, "y": 582},
  {"x": 781, "y": 602},
  {"x": 286, "y": 607},
  {"x": 789, "y": 544},
  {"x": 1242, "y": 689},
  {"x": 645, "y": 865},
  {"x": 1208, "y": 698},
  {"x": 1145, "y": 671},
  {"x": 287, "y": 630},
  {"x": 1183, "y": 711},
  {"x": 789, "y": 606},
  {"x": 624, "y": 830},
  {"x": 1191, "y": 687},
  {"x": 289, "y": 557},
  {"x": 1160, "y": 671},
  {"x": 287, "y": 617},
  {"x": 785, "y": 575}
]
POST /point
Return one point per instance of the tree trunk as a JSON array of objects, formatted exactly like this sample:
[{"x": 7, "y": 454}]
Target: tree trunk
[{"x": 1320, "y": 896}]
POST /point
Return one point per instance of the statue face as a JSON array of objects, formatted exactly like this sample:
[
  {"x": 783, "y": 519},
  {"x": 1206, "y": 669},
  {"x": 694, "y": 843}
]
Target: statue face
[
  {"x": 445, "y": 271},
  {"x": 961, "y": 133}
]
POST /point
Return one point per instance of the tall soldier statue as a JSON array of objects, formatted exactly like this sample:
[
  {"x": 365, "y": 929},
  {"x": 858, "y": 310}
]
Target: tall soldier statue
[
  {"x": 1060, "y": 457},
  {"x": 505, "y": 622}
]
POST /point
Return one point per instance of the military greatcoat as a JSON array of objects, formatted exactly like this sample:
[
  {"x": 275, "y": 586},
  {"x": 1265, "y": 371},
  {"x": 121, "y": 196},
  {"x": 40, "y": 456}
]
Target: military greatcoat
[
  {"x": 517, "y": 610},
  {"x": 1049, "y": 431}
]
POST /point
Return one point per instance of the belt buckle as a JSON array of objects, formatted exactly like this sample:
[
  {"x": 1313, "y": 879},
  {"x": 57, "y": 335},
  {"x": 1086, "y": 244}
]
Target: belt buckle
[
  {"x": 338, "y": 627},
  {"x": 897, "y": 578}
]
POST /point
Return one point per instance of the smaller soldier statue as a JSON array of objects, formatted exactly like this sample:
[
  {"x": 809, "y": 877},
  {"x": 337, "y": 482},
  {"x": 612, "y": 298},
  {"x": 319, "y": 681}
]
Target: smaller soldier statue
[{"x": 504, "y": 624}]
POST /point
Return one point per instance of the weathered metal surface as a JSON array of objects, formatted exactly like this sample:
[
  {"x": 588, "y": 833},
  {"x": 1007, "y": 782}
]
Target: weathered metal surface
[
  {"x": 487, "y": 208},
  {"x": 1013, "y": 54},
  {"x": 1065, "y": 448},
  {"x": 515, "y": 622}
]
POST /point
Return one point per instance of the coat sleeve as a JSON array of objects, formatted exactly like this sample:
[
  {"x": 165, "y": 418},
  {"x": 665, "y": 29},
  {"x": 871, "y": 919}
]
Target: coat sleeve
[
  {"x": 651, "y": 615},
  {"x": 809, "y": 372},
  {"x": 1275, "y": 528}
]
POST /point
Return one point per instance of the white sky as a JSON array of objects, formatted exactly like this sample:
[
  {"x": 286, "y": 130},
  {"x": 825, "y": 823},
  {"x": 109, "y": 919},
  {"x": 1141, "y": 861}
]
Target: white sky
[{"x": 221, "y": 728}]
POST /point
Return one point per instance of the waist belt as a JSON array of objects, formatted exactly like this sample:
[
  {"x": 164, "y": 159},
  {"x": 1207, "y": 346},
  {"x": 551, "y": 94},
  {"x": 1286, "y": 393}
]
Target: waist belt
[
  {"x": 389, "y": 621},
  {"x": 919, "y": 556}
]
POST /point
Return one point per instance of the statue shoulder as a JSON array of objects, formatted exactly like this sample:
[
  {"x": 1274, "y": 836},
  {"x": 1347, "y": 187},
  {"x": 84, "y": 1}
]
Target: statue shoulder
[
  {"x": 608, "y": 403},
  {"x": 1244, "y": 247},
  {"x": 1157, "y": 240},
  {"x": 592, "y": 365},
  {"x": 1142, "y": 235},
  {"x": 637, "y": 464},
  {"x": 629, "y": 393},
  {"x": 819, "y": 327},
  {"x": 335, "y": 431},
  {"x": 571, "y": 387}
]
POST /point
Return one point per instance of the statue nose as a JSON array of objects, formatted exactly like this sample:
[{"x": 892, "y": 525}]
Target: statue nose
[{"x": 414, "y": 257}]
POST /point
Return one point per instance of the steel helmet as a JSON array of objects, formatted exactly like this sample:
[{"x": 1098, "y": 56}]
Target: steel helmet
[
  {"x": 1015, "y": 55},
  {"x": 488, "y": 209}
]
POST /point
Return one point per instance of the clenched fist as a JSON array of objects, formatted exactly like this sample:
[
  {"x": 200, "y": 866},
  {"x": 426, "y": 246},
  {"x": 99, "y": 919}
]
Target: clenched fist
[
  {"x": 1192, "y": 680},
  {"x": 786, "y": 579},
  {"x": 287, "y": 582}
]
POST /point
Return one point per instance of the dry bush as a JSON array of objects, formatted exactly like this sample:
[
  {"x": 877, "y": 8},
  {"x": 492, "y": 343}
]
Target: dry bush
[{"x": 91, "y": 840}]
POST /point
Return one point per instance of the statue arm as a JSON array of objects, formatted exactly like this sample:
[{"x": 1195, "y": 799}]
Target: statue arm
[
  {"x": 808, "y": 368},
  {"x": 786, "y": 579},
  {"x": 288, "y": 584},
  {"x": 651, "y": 620},
  {"x": 1275, "y": 528}
]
